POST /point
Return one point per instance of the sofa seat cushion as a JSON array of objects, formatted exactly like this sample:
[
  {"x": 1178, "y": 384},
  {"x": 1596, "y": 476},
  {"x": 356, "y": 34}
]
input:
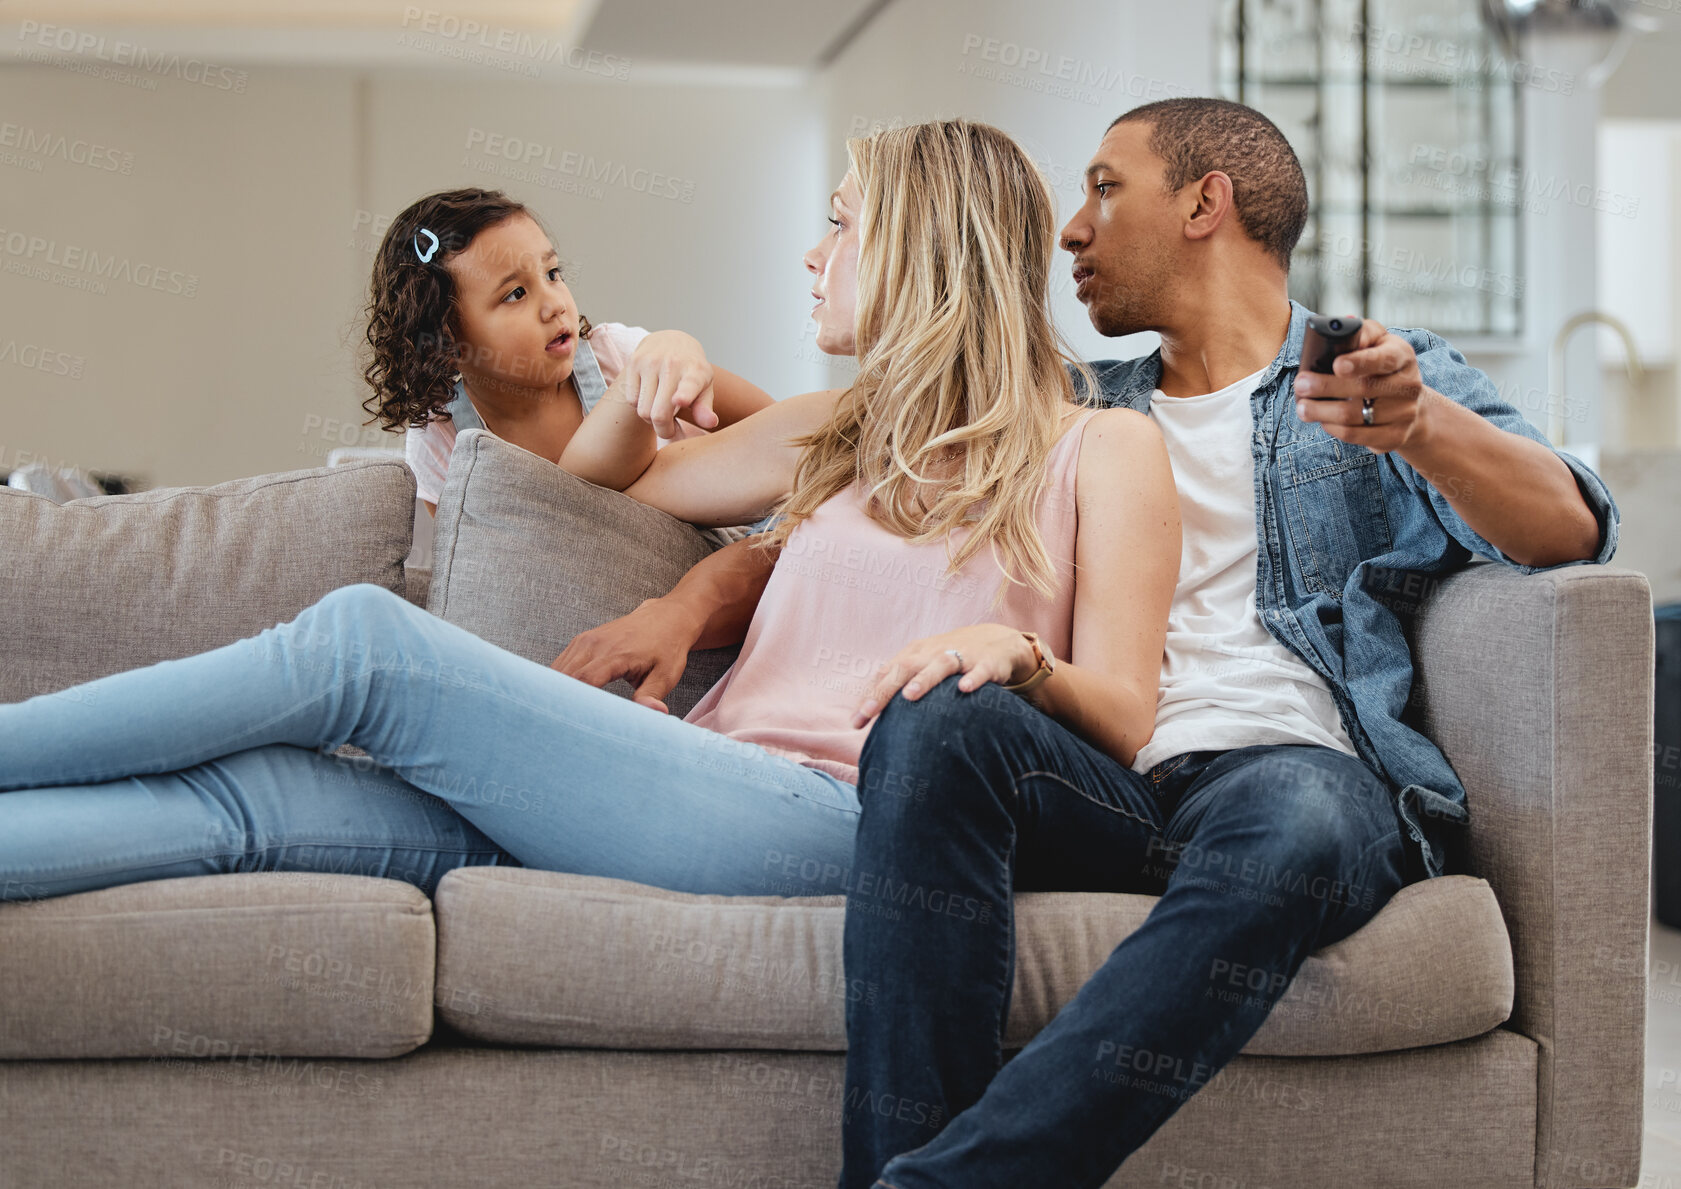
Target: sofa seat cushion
[
  {"x": 255, "y": 967},
  {"x": 543, "y": 958}
]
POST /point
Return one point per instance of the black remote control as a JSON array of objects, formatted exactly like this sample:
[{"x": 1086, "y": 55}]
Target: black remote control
[{"x": 1326, "y": 337}]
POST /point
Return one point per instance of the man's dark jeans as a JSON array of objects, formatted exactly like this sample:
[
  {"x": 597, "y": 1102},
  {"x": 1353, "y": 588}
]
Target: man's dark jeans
[{"x": 1260, "y": 855}]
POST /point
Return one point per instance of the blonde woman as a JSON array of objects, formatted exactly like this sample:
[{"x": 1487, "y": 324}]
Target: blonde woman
[{"x": 934, "y": 512}]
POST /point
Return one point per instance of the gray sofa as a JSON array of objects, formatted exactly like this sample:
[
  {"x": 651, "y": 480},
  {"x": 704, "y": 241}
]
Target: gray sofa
[{"x": 528, "y": 1028}]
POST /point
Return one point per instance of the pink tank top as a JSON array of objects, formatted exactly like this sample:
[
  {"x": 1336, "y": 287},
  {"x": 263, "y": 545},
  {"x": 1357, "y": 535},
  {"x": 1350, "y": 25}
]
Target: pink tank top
[{"x": 846, "y": 594}]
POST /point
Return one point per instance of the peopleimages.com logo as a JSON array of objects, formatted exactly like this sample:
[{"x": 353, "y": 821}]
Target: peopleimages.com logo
[
  {"x": 41, "y": 359},
  {"x": 1413, "y": 53},
  {"x": 474, "y": 41},
  {"x": 542, "y": 164},
  {"x": 82, "y": 267},
  {"x": 44, "y": 144},
  {"x": 117, "y": 52}
]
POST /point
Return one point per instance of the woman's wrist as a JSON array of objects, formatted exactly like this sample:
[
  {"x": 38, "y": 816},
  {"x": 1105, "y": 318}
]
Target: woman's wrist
[
  {"x": 1033, "y": 659},
  {"x": 1024, "y": 663}
]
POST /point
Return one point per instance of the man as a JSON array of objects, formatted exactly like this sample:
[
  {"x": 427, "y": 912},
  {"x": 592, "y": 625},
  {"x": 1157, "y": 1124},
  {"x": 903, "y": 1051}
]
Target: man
[{"x": 1281, "y": 801}]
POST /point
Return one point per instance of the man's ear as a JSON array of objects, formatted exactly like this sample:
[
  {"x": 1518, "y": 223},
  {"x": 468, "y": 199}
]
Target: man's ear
[{"x": 1212, "y": 195}]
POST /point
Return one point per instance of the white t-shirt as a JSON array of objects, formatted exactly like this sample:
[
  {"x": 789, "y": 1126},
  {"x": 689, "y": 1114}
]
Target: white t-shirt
[
  {"x": 1226, "y": 682},
  {"x": 427, "y": 449}
]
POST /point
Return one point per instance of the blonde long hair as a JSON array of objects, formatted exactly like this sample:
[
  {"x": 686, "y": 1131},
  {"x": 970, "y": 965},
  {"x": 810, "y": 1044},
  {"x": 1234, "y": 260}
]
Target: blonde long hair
[{"x": 957, "y": 350}]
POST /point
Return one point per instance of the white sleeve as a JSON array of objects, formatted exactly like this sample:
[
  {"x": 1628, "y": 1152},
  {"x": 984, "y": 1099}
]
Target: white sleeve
[
  {"x": 614, "y": 343},
  {"x": 427, "y": 453}
]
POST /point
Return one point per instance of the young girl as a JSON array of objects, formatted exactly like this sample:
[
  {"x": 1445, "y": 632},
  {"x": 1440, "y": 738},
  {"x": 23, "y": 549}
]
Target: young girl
[
  {"x": 930, "y": 525},
  {"x": 472, "y": 327}
]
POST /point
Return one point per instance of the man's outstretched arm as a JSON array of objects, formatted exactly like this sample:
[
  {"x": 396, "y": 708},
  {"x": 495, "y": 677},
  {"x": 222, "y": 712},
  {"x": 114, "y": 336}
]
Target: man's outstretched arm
[
  {"x": 709, "y": 608},
  {"x": 1513, "y": 491}
]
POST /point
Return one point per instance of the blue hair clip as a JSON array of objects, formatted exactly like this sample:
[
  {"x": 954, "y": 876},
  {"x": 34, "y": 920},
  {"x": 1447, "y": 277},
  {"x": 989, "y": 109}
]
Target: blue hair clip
[{"x": 426, "y": 256}]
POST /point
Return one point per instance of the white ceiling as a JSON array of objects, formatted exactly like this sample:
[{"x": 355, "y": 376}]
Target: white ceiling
[
  {"x": 768, "y": 42},
  {"x": 295, "y": 14},
  {"x": 784, "y": 33}
]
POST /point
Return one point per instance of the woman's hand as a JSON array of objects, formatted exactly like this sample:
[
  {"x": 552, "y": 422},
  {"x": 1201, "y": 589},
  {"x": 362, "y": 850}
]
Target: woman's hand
[
  {"x": 982, "y": 653},
  {"x": 669, "y": 374}
]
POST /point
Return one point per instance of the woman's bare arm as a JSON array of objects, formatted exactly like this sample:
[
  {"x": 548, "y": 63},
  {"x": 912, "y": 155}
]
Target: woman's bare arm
[
  {"x": 667, "y": 377},
  {"x": 737, "y": 474},
  {"x": 1126, "y": 565},
  {"x": 615, "y": 444},
  {"x": 734, "y": 398}
]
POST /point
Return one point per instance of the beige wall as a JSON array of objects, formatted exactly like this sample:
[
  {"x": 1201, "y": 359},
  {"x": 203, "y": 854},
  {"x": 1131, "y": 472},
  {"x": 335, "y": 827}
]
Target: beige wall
[
  {"x": 1644, "y": 85},
  {"x": 265, "y": 203},
  {"x": 1052, "y": 74},
  {"x": 269, "y": 197},
  {"x": 235, "y": 194}
]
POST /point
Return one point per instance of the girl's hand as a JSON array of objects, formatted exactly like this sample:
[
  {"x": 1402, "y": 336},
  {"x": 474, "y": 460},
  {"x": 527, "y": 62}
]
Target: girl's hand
[
  {"x": 982, "y": 653},
  {"x": 667, "y": 375}
]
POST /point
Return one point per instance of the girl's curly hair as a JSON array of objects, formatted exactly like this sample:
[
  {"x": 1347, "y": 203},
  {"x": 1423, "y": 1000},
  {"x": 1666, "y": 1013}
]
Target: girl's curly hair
[{"x": 411, "y": 304}]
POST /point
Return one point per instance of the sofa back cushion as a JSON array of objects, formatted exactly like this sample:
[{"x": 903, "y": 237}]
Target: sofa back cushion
[
  {"x": 100, "y": 585},
  {"x": 527, "y": 555}
]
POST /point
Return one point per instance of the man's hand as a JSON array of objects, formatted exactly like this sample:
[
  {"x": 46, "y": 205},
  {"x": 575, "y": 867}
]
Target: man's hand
[
  {"x": 1513, "y": 492},
  {"x": 1382, "y": 370},
  {"x": 648, "y": 648},
  {"x": 669, "y": 373}
]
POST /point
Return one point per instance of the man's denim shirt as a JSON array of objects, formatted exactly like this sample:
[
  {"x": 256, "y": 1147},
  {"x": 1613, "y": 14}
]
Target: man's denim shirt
[{"x": 1343, "y": 531}]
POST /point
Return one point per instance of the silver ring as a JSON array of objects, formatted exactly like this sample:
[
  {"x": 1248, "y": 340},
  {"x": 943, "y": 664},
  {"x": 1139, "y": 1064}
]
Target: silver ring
[
  {"x": 957, "y": 654},
  {"x": 1366, "y": 412}
]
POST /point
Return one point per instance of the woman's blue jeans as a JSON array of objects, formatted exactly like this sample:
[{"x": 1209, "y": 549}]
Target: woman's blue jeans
[
  {"x": 1260, "y": 856},
  {"x": 220, "y": 763}
]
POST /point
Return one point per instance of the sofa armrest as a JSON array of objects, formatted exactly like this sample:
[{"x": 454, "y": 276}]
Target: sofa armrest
[{"x": 1538, "y": 688}]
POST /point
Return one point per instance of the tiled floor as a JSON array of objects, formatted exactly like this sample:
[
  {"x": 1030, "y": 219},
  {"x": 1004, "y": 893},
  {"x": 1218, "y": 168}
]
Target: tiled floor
[{"x": 1661, "y": 1168}]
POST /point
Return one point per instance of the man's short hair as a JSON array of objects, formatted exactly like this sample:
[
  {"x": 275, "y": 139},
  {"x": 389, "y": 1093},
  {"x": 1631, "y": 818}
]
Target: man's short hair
[{"x": 1198, "y": 135}]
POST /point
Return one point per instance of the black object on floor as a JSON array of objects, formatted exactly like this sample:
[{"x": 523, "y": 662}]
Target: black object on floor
[{"x": 1666, "y": 768}]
